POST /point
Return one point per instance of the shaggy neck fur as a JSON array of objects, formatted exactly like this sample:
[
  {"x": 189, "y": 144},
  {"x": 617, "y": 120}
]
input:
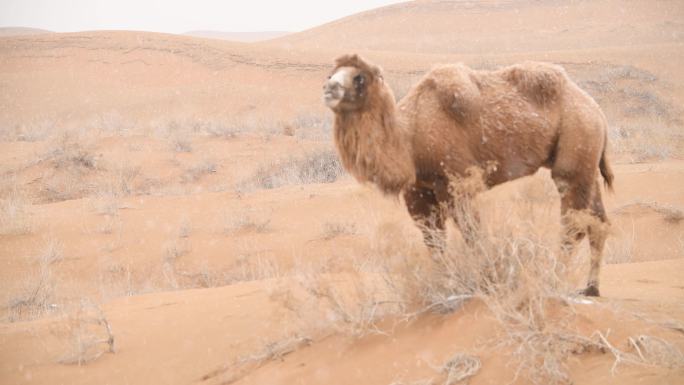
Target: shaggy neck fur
[{"x": 373, "y": 144}]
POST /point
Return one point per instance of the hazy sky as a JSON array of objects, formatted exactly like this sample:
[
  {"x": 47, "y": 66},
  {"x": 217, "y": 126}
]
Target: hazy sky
[{"x": 178, "y": 16}]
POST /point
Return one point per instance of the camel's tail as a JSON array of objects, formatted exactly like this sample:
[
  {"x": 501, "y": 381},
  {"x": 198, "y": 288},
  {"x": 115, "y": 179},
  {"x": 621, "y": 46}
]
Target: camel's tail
[{"x": 605, "y": 169}]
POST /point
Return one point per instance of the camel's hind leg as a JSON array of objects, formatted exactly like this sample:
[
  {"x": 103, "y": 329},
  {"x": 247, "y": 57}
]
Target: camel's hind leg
[
  {"x": 429, "y": 216},
  {"x": 598, "y": 232},
  {"x": 582, "y": 213}
]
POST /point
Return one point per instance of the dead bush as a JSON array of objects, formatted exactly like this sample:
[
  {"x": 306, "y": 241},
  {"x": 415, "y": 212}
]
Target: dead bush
[
  {"x": 15, "y": 214},
  {"x": 317, "y": 167},
  {"x": 89, "y": 333},
  {"x": 36, "y": 297}
]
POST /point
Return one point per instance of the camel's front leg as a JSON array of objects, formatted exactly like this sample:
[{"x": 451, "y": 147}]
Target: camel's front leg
[
  {"x": 467, "y": 219},
  {"x": 429, "y": 216}
]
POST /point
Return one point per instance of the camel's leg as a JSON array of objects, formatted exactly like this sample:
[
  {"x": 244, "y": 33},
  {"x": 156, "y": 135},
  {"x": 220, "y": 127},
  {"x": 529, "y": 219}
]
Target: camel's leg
[
  {"x": 582, "y": 213},
  {"x": 467, "y": 219},
  {"x": 598, "y": 232},
  {"x": 429, "y": 216}
]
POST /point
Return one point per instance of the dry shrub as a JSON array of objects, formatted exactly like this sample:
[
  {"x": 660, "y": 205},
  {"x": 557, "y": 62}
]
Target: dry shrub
[
  {"x": 15, "y": 215},
  {"x": 311, "y": 126},
  {"x": 180, "y": 143},
  {"x": 30, "y": 132},
  {"x": 317, "y": 167},
  {"x": 90, "y": 335},
  {"x": 248, "y": 220},
  {"x": 669, "y": 213},
  {"x": 657, "y": 351},
  {"x": 73, "y": 168},
  {"x": 53, "y": 252},
  {"x": 70, "y": 151},
  {"x": 460, "y": 367},
  {"x": 197, "y": 171},
  {"x": 245, "y": 268},
  {"x": 173, "y": 250},
  {"x": 36, "y": 297},
  {"x": 335, "y": 229},
  {"x": 252, "y": 268},
  {"x": 241, "y": 366}
]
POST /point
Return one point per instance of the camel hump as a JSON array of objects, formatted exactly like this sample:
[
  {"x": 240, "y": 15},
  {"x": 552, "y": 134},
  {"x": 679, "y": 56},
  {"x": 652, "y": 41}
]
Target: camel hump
[
  {"x": 457, "y": 90},
  {"x": 540, "y": 82}
]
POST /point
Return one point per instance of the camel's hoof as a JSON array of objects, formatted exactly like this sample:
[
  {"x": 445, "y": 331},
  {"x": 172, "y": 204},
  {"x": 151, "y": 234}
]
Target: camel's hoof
[{"x": 590, "y": 291}]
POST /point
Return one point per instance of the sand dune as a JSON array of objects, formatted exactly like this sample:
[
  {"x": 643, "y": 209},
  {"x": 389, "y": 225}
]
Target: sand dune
[
  {"x": 247, "y": 37},
  {"x": 22, "y": 31},
  {"x": 185, "y": 191}
]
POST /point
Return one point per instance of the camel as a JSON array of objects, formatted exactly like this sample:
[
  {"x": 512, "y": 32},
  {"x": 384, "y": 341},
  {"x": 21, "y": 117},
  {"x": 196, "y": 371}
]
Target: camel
[{"x": 509, "y": 123}]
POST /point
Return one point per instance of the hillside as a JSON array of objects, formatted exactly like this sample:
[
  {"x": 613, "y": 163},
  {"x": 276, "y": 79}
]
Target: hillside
[
  {"x": 499, "y": 26},
  {"x": 21, "y": 31},
  {"x": 247, "y": 37}
]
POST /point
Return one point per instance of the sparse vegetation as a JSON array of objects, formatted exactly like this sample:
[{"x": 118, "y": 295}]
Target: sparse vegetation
[
  {"x": 270, "y": 351},
  {"x": 669, "y": 213},
  {"x": 245, "y": 220},
  {"x": 196, "y": 172},
  {"x": 15, "y": 215},
  {"x": 310, "y": 126},
  {"x": 512, "y": 269},
  {"x": 318, "y": 167},
  {"x": 53, "y": 252},
  {"x": 172, "y": 252},
  {"x": 334, "y": 229},
  {"x": 181, "y": 144},
  {"x": 90, "y": 335},
  {"x": 36, "y": 297}
]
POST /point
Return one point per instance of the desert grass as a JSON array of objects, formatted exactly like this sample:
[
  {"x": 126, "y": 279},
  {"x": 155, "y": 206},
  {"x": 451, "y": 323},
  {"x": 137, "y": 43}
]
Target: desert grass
[
  {"x": 71, "y": 150},
  {"x": 180, "y": 143},
  {"x": 197, "y": 171},
  {"x": 52, "y": 251},
  {"x": 36, "y": 296},
  {"x": 460, "y": 367},
  {"x": 317, "y": 167},
  {"x": 669, "y": 213},
  {"x": 31, "y": 131},
  {"x": 270, "y": 351},
  {"x": 89, "y": 335},
  {"x": 310, "y": 126},
  {"x": 645, "y": 125},
  {"x": 620, "y": 247},
  {"x": 334, "y": 229},
  {"x": 15, "y": 213},
  {"x": 173, "y": 250},
  {"x": 513, "y": 268},
  {"x": 244, "y": 220}
]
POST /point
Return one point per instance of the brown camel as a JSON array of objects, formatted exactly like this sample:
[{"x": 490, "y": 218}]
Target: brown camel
[{"x": 507, "y": 123}]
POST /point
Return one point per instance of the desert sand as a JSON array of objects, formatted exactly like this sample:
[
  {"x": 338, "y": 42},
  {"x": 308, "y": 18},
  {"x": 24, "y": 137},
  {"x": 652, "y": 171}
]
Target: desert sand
[{"x": 172, "y": 210}]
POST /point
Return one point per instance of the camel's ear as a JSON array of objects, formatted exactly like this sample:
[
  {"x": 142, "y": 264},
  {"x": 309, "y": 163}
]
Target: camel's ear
[{"x": 377, "y": 72}]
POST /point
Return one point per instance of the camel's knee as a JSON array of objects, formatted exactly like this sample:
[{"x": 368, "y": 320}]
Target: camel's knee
[{"x": 428, "y": 215}]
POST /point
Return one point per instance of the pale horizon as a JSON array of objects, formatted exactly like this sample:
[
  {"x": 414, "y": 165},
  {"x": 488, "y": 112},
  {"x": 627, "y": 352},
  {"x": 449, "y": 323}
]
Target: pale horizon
[{"x": 178, "y": 16}]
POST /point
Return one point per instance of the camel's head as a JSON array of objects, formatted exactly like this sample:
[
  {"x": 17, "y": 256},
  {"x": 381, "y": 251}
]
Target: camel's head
[{"x": 348, "y": 85}]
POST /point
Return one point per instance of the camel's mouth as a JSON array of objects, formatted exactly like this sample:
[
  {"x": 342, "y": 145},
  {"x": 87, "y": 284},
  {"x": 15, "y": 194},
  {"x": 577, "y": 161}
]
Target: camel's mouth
[
  {"x": 334, "y": 89},
  {"x": 332, "y": 96}
]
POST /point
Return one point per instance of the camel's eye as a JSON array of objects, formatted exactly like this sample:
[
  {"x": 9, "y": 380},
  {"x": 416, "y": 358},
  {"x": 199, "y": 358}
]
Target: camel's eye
[{"x": 359, "y": 80}]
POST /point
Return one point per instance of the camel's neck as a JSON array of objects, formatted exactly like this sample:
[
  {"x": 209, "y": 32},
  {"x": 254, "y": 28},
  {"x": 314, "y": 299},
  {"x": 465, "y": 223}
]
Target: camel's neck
[{"x": 374, "y": 145}]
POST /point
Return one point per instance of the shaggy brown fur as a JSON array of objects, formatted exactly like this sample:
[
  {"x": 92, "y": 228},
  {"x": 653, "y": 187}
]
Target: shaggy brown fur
[{"x": 507, "y": 123}]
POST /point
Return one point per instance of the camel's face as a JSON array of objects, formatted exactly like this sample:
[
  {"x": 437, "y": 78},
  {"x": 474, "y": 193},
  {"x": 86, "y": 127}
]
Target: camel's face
[{"x": 346, "y": 89}]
